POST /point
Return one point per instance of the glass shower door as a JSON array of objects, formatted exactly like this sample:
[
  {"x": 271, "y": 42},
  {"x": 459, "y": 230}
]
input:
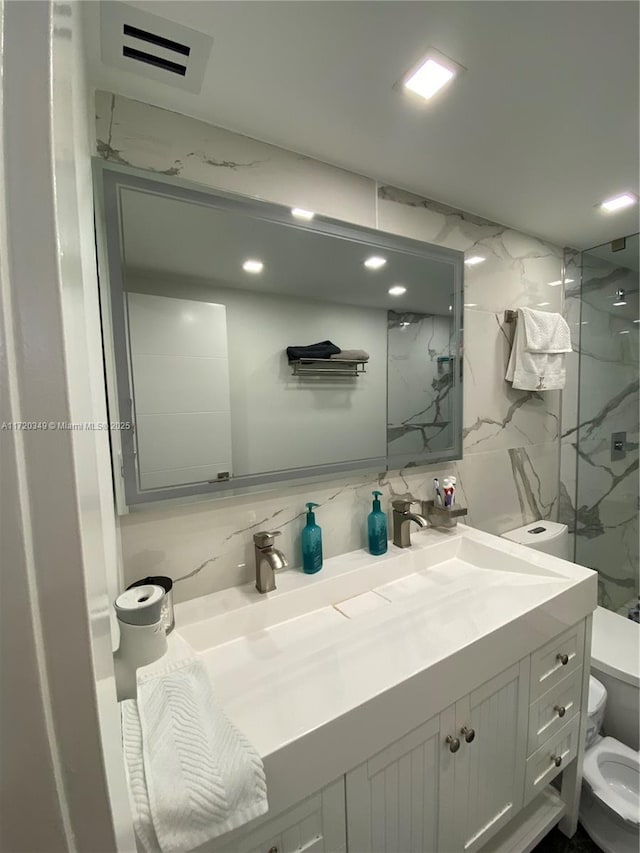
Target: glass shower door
[{"x": 607, "y": 440}]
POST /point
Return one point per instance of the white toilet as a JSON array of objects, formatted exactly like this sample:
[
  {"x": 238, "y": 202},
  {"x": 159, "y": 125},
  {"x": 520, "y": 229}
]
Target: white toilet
[
  {"x": 610, "y": 802},
  {"x": 615, "y": 661},
  {"x": 547, "y": 536}
]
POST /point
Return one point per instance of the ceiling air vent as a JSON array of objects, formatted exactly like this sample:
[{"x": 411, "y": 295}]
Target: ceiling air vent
[{"x": 152, "y": 46}]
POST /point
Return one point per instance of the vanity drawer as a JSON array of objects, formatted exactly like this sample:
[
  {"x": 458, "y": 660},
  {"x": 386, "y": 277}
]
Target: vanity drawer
[
  {"x": 551, "y": 759},
  {"x": 550, "y": 712},
  {"x": 553, "y": 662}
]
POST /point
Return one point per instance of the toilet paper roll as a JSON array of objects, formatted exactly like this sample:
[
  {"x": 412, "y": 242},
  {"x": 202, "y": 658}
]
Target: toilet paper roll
[{"x": 141, "y": 605}]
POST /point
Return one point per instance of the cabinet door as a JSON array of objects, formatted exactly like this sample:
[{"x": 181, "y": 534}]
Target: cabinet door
[
  {"x": 489, "y": 770},
  {"x": 315, "y": 825},
  {"x": 392, "y": 799}
]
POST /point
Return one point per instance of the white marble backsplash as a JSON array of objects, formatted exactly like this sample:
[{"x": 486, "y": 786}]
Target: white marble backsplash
[{"x": 509, "y": 474}]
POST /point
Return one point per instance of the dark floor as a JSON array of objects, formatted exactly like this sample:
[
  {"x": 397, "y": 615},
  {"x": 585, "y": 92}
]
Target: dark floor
[{"x": 556, "y": 842}]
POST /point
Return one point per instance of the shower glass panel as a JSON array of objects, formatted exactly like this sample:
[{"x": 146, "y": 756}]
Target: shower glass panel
[{"x": 607, "y": 440}]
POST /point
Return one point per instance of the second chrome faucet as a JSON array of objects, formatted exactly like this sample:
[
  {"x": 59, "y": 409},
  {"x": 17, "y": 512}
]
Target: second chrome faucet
[
  {"x": 268, "y": 559},
  {"x": 402, "y": 518}
]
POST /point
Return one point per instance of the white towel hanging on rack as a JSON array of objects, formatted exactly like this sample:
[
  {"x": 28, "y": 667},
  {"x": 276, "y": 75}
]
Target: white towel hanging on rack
[{"x": 539, "y": 369}]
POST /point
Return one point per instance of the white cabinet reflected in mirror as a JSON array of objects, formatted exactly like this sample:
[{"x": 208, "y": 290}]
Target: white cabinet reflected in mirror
[{"x": 249, "y": 347}]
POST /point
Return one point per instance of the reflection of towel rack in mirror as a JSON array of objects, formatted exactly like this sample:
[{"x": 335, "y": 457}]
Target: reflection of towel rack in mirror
[
  {"x": 327, "y": 367},
  {"x": 510, "y": 316}
]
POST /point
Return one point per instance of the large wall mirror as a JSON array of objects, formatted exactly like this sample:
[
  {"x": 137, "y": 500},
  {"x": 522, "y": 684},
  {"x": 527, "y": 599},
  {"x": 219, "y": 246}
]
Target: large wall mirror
[{"x": 247, "y": 344}]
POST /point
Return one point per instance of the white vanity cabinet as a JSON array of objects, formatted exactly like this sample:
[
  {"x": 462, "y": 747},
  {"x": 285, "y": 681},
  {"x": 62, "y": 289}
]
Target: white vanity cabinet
[
  {"x": 473, "y": 777},
  {"x": 393, "y": 799},
  {"x": 419, "y": 725},
  {"x": 450, "y": 784},
  {"x": 488, "y": 773},
  {"x": 315, "y": 825}
]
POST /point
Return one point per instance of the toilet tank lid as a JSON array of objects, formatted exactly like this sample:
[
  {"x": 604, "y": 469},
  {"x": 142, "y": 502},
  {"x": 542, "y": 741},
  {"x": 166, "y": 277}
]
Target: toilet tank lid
[
  {"x": 615, "y": 646},
  {"x": 544, "y": 532}
]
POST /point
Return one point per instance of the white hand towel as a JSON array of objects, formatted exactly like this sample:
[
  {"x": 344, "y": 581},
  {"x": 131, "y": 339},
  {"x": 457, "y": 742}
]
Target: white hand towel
[
  {"x": 530, "y": 371},
  {"x": 136, "y": 779},
  {"x": 545, "y": 331},
  {"x": 199, "y": 777}
]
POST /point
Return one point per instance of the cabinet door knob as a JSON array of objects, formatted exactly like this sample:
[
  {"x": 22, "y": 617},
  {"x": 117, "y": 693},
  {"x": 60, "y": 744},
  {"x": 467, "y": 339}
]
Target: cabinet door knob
[
  {"x": 454, "y": 743},
  {"x": 560, "y": 710},
  {"x": 564, "y": 659},
  {"x": 557, "y": 760},
  {"x": 272, "y": 850},
  {"x": 468, "y": 733}
]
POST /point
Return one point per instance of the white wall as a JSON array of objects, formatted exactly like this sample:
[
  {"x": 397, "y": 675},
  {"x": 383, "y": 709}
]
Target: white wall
[
  {"x": 509, "y": 474},
  {"x": 58, "y": 767},
  {"x": 280, "y": 421}
]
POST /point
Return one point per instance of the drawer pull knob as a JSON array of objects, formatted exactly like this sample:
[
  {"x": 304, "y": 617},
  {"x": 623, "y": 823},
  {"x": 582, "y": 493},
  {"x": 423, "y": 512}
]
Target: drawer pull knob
[
  {"x": 454, "y": 743},
  {"x": 564, "y": 659},
  {"x": 468, "y": 733},
  {"x": 272, "y": 850},
  {"x": 557, "y": 760},
  {"x": 560, "y": 710}
]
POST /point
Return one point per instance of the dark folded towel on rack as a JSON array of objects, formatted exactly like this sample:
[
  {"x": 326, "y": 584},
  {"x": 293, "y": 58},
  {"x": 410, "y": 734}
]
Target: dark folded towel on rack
[
  {"x": 324, "y": 349},
  {"x": 352, "y": 355}
]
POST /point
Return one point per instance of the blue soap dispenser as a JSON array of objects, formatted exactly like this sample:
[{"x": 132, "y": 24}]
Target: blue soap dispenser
[
  {"x": 311, "y": 543},
  {"x": 377, "y": 528}
]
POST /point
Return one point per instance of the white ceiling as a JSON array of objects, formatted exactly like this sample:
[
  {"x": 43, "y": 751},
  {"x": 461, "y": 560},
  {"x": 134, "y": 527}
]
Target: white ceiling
[{"x": 541, "y": 127}]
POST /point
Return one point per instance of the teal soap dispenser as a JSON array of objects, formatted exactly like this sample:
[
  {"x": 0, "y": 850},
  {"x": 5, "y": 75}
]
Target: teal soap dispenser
[
  {"x": 377, "y": 528},
  {"x": 311, "y": 543}
]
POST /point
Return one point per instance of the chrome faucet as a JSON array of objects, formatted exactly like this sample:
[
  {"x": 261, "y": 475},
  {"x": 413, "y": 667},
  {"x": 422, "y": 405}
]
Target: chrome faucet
[
  {"x": 402, "y": 519},
  {"x": 268, "y": 559}
]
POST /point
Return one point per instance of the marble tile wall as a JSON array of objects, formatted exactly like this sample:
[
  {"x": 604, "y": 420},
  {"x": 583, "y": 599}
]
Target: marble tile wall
[
  {"x": 599, "y": 496},
  {"x": 419, "y": 405},
  {"x": 509, "y": 474}
]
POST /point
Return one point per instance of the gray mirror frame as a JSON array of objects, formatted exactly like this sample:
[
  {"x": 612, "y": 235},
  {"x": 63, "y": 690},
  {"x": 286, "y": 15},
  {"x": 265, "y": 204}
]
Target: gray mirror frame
[{"x": 109, "y": 180}]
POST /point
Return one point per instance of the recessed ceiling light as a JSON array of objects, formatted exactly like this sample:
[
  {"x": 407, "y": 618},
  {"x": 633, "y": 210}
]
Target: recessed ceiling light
[
  {"x": 476, "y": 259},
  {"x": 301, "y": 213},
  {"x": 397, "y": 290},
  {"x": 618, "y": 202},
  {"x": 375, "y": 262},
  {"x": 433, "y": 72},
  {"x": 252, "y": 266},
  {"x": 542, "y": 304}
]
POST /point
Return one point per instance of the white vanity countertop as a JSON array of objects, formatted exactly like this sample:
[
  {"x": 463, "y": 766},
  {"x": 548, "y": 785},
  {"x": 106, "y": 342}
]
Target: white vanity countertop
[{"x": 437, "y": 619}]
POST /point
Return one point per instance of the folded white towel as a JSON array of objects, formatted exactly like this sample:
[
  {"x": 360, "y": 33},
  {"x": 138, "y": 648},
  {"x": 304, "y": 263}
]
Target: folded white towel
[
  {"x": 533, "y": 371},
  {"x": 545, "y": 331},
  {"x": 192, "y": 775},
  {"x": 352, "y": 355}
]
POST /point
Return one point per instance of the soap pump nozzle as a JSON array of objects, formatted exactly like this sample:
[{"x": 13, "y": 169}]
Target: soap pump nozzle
[
  {"x": 376, "y": 501},
  {"x": 311, "y": 516}
]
